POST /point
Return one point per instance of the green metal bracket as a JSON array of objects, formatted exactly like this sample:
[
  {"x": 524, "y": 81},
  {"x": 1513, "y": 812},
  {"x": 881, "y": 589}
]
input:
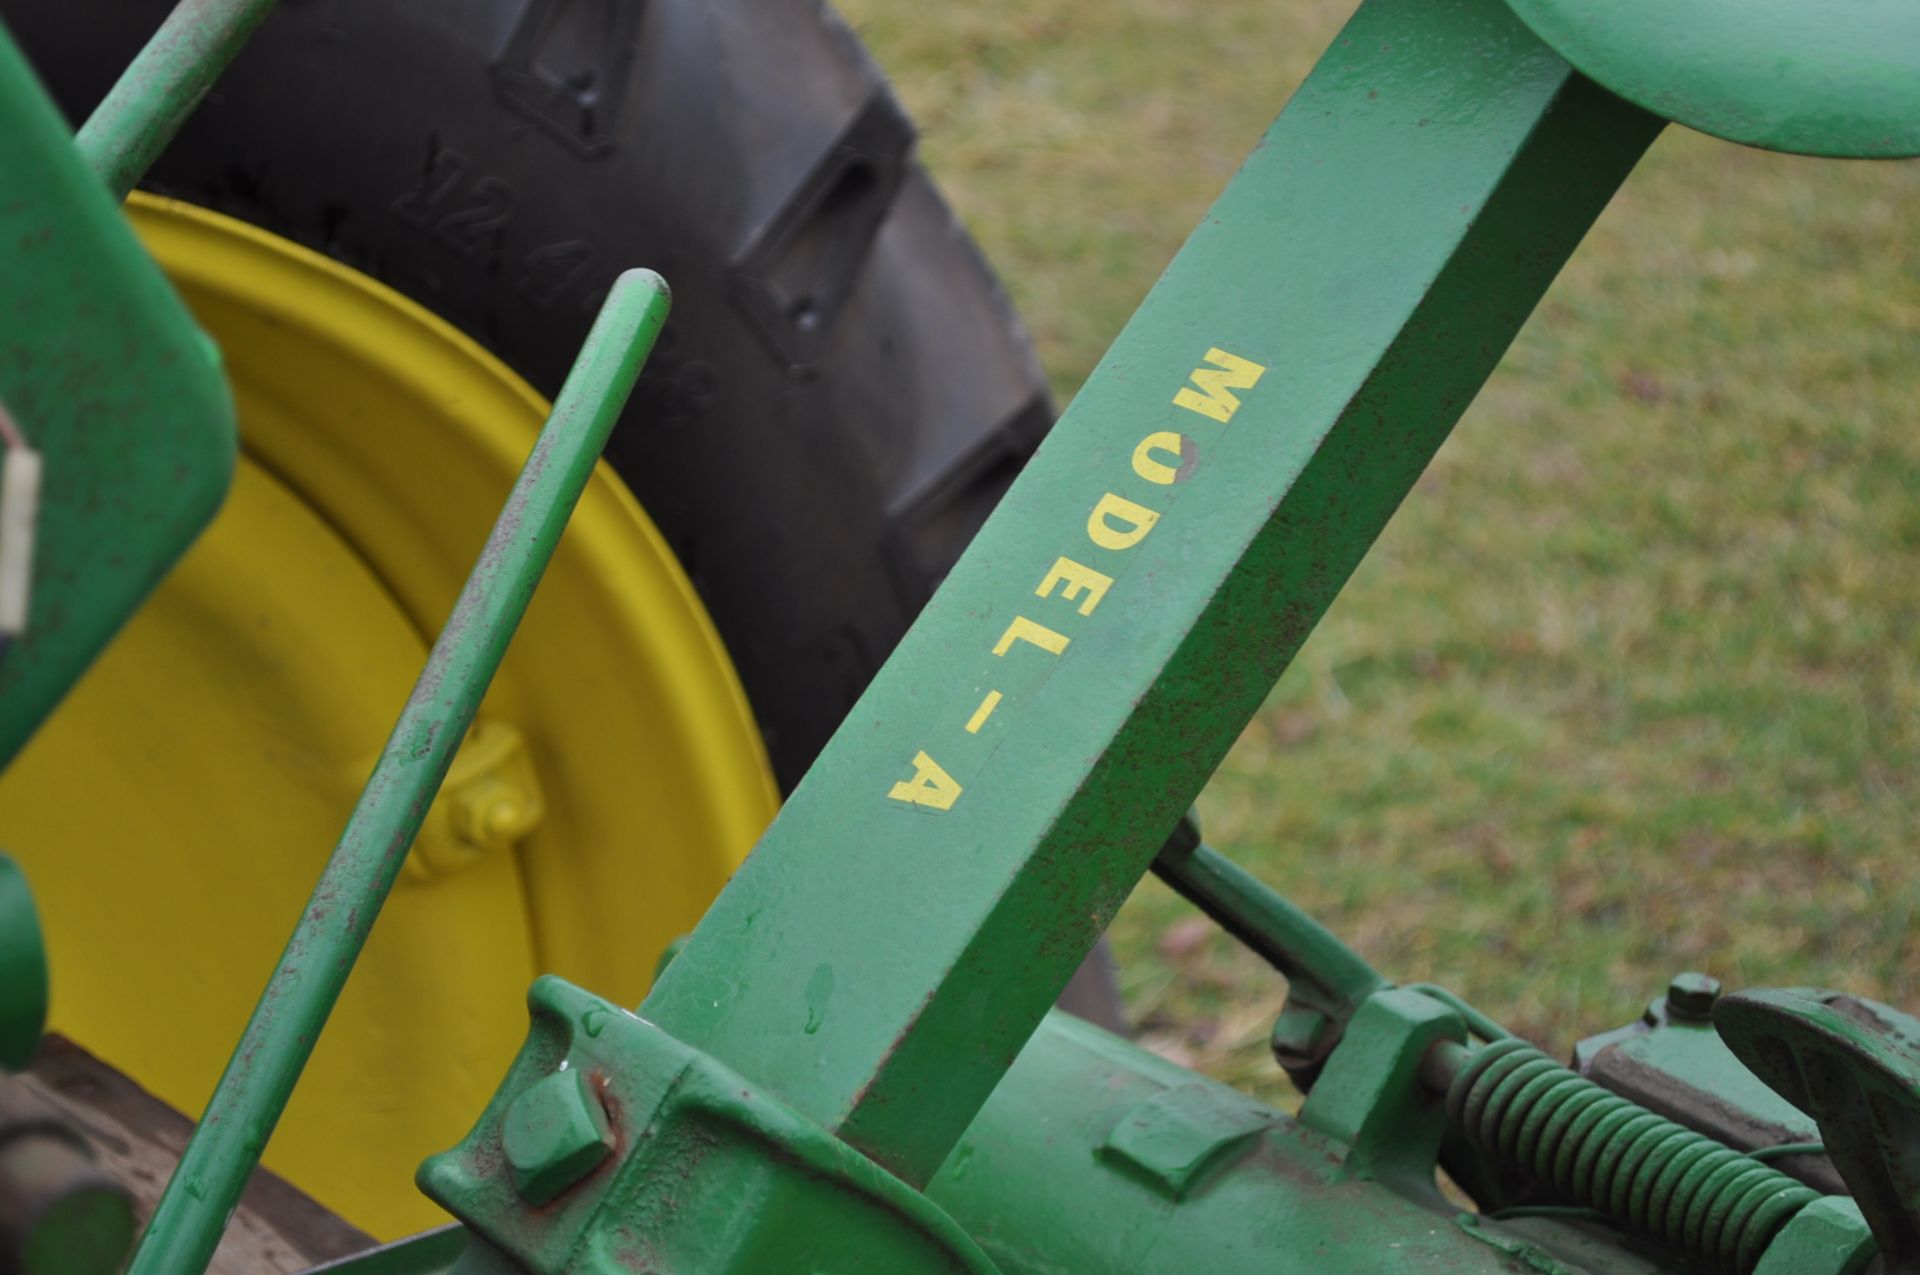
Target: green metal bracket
[
  {"x": 1178, "y": 1137},
  {"x": 1672, "y": 1059},
  {"x": 1370, "y": 1096},
  {"x": 713, "y": 1175}
]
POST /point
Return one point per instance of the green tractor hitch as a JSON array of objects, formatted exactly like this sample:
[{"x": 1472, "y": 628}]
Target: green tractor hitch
[{"x": 852, "y": 1066}]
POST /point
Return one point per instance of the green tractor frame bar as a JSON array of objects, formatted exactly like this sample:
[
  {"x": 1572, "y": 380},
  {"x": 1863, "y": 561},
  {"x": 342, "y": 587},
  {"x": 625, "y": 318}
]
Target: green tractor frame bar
[{"x": 841, "y": 1070}]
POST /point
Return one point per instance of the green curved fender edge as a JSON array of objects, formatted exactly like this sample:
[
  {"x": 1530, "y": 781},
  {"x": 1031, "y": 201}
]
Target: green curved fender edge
[{"x": 1813, "y": 78}]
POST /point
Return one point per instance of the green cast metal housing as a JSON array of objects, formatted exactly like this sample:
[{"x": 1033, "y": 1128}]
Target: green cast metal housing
[{"x": 1170, "y": 1171}]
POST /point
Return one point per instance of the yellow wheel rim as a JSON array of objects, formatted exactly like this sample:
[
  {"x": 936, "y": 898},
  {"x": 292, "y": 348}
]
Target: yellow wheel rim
[{"x": 174, "y": 814}]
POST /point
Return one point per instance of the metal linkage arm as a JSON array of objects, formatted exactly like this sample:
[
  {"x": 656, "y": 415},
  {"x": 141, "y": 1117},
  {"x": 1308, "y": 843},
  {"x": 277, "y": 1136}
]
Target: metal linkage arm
[
  {"x": 286, "y": 1024},
  {"x": 1326, "y": 980}
]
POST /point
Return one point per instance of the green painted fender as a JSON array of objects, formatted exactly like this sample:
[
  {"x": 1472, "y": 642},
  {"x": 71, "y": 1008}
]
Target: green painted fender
[{"x": 1814, "y": 77}]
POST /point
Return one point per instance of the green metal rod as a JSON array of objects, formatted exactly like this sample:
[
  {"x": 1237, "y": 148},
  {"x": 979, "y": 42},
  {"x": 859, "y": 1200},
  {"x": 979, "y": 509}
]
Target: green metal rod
[
  {"x": 1283, "y": 936},
  {"x": 161, "y": 86},
  {"x": 286, "y": 1023}
]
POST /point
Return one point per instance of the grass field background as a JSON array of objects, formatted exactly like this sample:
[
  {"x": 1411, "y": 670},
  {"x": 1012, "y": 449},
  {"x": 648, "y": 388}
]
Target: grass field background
[{"x": 1629, "y": 685}]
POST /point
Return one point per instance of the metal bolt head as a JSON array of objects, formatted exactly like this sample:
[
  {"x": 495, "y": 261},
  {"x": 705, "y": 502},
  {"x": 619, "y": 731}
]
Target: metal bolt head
[
  {"x": 554, "y": 1134},
  {"x": 1691, "y": 996}
]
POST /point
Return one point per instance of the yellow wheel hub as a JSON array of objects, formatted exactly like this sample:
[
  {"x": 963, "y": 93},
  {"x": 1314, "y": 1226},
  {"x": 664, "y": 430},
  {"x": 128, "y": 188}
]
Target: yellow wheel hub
[{"x": 174, "y": 814}]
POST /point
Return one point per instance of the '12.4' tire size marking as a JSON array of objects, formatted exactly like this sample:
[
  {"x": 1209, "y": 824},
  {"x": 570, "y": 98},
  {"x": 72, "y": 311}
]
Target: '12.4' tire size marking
[{"x": 464, "y": 212}]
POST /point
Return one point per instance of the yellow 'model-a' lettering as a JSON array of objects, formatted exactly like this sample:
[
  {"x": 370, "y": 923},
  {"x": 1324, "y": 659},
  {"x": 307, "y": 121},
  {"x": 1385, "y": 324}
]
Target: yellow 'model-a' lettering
[
  {"x": 1024, "y": 630},
  {"x": 1118, "y": 523},
  {"x": 1214, "y": 397},
  {"x": 1079, "y": 580},
  {"x": 1155, "y": 471},
  {"x": 930, "y": 786},
  {"x": 982, "y": 713}
]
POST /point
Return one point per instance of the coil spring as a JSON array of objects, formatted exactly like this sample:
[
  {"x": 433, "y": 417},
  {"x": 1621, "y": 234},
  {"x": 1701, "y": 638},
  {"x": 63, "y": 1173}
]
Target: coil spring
[{"x": 1663, "y": 1180}]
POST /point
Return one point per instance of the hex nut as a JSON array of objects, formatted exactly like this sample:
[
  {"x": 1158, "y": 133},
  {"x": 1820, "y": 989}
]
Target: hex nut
[
  {"x": 554, "y": 1134},
  {"x": 1829, "y": 1236},
  {"x": 1691, "y": 996}
]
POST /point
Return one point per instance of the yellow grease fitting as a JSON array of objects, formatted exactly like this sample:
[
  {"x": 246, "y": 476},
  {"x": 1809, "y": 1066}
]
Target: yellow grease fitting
[{"x": 174, "y": 814}]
